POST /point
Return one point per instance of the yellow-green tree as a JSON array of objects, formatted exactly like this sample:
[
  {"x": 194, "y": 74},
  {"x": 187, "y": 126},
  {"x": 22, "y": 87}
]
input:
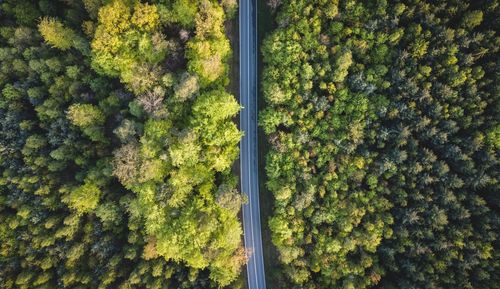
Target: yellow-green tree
[
  {"x": 128, "y": 43},
  {"x": 55, "y": 34}
]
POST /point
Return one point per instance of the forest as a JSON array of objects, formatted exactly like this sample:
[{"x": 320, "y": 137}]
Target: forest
[
  {"x": 382, "y": 122},
  {"x": 117, "y": 143}
]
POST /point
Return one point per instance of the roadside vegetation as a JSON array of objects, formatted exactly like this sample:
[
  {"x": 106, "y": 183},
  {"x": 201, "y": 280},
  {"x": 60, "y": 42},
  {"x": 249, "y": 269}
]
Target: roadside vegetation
[
  {"x": 382, "y": 120},
  {"x": 116, "y": 145}
]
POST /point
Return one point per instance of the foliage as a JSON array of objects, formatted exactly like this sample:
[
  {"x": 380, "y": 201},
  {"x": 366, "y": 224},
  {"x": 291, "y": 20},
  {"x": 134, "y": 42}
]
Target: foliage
[
  {"x": 98, "y": 187},
  {"x": 381, "y": 120},
  {"x": 84, "y": 115},
  {"x": 56, "y": 34},
  {"x": 126, "y": 38},
  {"x": 85, "y": 198},
  {"x": 209, "y": 49}
]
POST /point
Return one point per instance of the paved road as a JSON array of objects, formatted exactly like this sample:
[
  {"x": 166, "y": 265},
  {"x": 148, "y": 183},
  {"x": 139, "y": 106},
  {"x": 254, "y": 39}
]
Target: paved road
[{"x": 249, "y": 144}]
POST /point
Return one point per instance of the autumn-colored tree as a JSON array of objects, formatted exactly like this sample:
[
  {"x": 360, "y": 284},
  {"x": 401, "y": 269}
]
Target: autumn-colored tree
[
  {"x": 55, "y": 34},
  {"x": 84, "y": 198},
  {"x": 104, "y": 162}
]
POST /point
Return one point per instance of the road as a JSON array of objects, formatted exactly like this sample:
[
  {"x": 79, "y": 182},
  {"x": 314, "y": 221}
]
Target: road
[{"x": 249, "y": 168}]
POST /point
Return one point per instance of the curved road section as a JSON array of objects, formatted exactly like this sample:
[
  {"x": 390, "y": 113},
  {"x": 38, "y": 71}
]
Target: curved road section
[{"x": 249, "y": 169}]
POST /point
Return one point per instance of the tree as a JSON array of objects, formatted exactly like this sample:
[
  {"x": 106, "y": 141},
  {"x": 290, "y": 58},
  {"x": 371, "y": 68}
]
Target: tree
[
  {"x": 56, "y": 34},
  {"x": 152, "y": 101},
  {"x": 126, "y": 163},
  {"x": 187, "y": 87},
  {"x": 136, "y": 40},
  {"x": 184, "y": 12},
  {"x": 472, "y": 19},
  {"x": 84, "y": 198},
  {"x": 85, "y": 115},
  {"x": 207, "y": 58},
  {"x": 89, "y": 118},
  {"x": 215, "y": 106},
  {"x": 208, "y": 51},
  {"x": 229, "y": 198},
  {"x": 343, "y": 62},
  {"x": 230, "y": 7},
  {"x": 186, "y": 151},
  {"x": 127, "y": 130}
]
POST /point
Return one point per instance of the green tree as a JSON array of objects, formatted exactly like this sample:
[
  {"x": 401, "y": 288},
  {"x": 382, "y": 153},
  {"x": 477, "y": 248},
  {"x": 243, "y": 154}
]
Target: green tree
[
  {"x": 472, "y": 19},
  {"x": 127, "y": 39},
  {"x": 184, "y": 12},
  {"x": 186, "y": 88},
  {"x": 85, "y": 115},
  {"x": 84, "y": 198},
  {"x": 126, "y": 164},
  {"x": 55, "y": 34}
]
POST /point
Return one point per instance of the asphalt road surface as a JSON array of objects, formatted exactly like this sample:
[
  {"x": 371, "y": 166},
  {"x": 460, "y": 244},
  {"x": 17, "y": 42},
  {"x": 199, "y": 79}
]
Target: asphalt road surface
[{"x": 249, "y": 145}]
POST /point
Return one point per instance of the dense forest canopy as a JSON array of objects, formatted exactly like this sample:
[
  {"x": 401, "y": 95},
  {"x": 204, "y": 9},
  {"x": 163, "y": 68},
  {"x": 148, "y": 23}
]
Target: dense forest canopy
[
  {"x": 116, "y": 145},
  {"x": 383, "y": 124},
  {"x": 117, "y": 142}
]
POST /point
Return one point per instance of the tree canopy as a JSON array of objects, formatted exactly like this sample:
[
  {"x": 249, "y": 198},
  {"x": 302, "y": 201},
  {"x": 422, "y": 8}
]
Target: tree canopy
[
  {"x": 377, "y": 115},
  {"x": 115, "y": 170}
]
